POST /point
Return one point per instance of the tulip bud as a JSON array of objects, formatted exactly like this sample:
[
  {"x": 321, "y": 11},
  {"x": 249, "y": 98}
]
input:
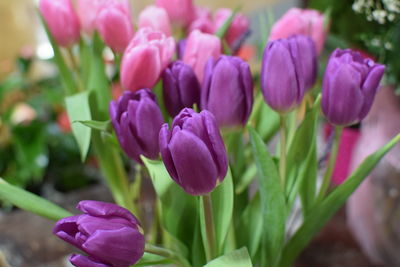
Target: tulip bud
[
  {"x": 308, "y": 59},
  {"x": 62, "y": 21},
  {"x": 114, "y": 25},
  {"x": 137, "y": 120},
  {"x": 349, "y": 87},
  {"x": 155, "y": 18},
  {"x": 181, "y": 87},
  {"x": 203, "y": 21},
  {"x": 199, "y": 48},
  {"x": 282, "y": 76},
  {"x": 193, "y": 151},
  {"x": 180, "y": 12},
  {"x": 88, "y": 11},
  {"x": 239, "y": 26},
  {"x": 181, "y": 48},
  {"x": 301, "y": 21},
  {"x": 146, "y": 57},
  {"x": 228, "y": 90},
  {"x": 109, "y": 234}
]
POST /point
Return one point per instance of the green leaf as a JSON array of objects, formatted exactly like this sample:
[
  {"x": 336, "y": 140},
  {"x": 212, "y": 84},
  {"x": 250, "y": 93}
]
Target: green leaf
[
  {"x": 103, "y": 126},
  {"x": 246, "y": 179},
  {"x": 225, "y": 27},
  {"x": 302, "y": 146},
  {"x": 31, "y": 202},
  {"x": 78, "y": 110},
  {"x": 322, "y": 213},
  {"x": 265, "y": 119},
  {"x": 272, "y": 201},
  {"x": 222, "y": 198},
  {"x": 237, "y": 258},
  {"x": 149, "y": 259},
  {"x": 178, "y": 209},
  {"x": 67, "y": 77},
  {"x": 250, "y": 226}
]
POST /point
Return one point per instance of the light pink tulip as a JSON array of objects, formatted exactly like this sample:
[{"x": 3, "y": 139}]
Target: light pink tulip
[
  {"x": 114, "y": 25},
  {"x": 88, "y": 11},
  {"x": 62, "y": 21},
  {"x": 147, "y": 55},
  {"x": 301, "y": 21},
  {"x": 199, "y": 48},
  {"x": 240, "y": 24},
  {"x": 203, "y": 21},
  {"x": 181, "y": 12},
  {"x": 155, "y": 18}
]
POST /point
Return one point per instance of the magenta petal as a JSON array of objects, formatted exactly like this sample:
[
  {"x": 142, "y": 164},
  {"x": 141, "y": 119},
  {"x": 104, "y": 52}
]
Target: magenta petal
[
  {"x": 66, "y": 229},
  {"x": 193, "y": 162},
  {"x": 370, "y": 88},
  {"x": 83, "y": 261},
  {"x": 103, "y": 209},
  {"x": 121, "y": 247}
]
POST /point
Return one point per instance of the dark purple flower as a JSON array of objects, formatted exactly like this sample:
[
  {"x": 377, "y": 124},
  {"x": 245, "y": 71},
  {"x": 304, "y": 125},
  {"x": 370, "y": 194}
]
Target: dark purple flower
[
  {"x": 109, "y": 235},
  {"x": 181, "y": 87},
  {"x": 282, "y": 76},
  {"x": 181, "y": 48},
  {"x": 193, "y": 151},
  {"x": 349, "y": 87},
  {"x": 137, "y": 120},
  {"x": 228, "y": 90},
  {"x": 308, "y": 60}
]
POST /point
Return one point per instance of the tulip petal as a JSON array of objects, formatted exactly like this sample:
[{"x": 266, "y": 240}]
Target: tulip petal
[
  {"x": 193, "y": 162},
  {"x": 247, "y": 81},
  {"x": 171, "y": 93},
  {"x": 66, "y": 229},
  {"x": 121, "y": 247},
  {"x": 344, "y": 88},
  {"x": 83, "y": 261},
  {"x": 128, "y": 140},
  {"x": 164, "y": 139},
  {"x": 103, "y": 209},
  {"x": 369, "y": 88}
]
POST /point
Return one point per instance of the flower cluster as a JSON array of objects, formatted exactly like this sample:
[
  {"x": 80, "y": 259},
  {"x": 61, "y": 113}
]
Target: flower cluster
[{"x": 381, "y": 11}]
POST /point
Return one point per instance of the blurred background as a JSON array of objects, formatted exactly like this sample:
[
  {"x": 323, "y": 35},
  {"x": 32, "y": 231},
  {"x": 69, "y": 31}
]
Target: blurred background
[{"x": 39, "y": 153}]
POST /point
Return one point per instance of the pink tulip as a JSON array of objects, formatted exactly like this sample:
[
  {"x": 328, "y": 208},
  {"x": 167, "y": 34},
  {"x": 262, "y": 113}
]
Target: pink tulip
[
  {"x": 147, "y": 55},
  {"x": 62, "y": 21},
  {"x": 203, "y": 21},
  {"x": 114, "y": 25},
  {"x": 199, "y": 48},
  {"x": 240, "y": 25},
  {"x": 180, "y": 12},
  {"x": 301, "y": 21},
  {"x": 155, "y": 18},
  {"x": 88, "y": 11}
]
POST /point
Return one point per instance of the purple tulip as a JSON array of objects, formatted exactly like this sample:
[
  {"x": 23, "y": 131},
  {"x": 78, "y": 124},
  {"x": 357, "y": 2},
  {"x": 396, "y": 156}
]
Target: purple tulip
[
  {"x": 137, "y": 120},
  {"x": 349, "y": 87},
  {"x": 308, "y": 60},
  {"x": 228, "y": 90},
  {"x": 282, "y": 77},
  {"x": 181, "y": 87},
  {"x": 193, "y": 151},
  {"x": 109, "y": 235}
]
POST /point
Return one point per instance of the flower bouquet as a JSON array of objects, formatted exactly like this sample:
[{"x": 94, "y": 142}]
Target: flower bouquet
[{"x": 231, "y": 150}]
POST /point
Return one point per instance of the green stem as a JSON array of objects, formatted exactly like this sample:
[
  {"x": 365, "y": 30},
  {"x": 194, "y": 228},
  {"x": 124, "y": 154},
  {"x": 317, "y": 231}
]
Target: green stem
[
  {"x": 177, "y": 259},
  {"x": 210, "y": 249},
  {"x": 282, "y": 159},
  {"x": 75, "y": 67},
  {"x": 331, "y": 164},
  {"x": 113, "y": 171}
]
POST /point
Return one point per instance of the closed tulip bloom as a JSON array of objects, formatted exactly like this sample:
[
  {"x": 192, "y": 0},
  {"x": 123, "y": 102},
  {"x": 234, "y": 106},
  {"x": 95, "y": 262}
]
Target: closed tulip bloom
[
  {"x": 155, "y": 18},
  {"x": 308, "y": 60},
  {"x": 114, "y": 25},
  {"x": 181, "y": 87},
  {"x": 137, "y": 120},
  {"x": 349, "y": 87},
  {"x": 239, "y": 26},
  {"x": 88, "y": 11},
  {"x": 146, "y": 57},
  {"x": 282, "y": 77},
  {"x": 180, "y": 12},
  {"x": 193, "y": 152},
  {"x": 62, "y": 21},
  {"x": 228, "y": 90},
  {"x": 109, "y": 235},
  {"x": 200, "y": 47},
  {"x": 203, "y": 21},
  {"x": 301, "y": 21}
]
